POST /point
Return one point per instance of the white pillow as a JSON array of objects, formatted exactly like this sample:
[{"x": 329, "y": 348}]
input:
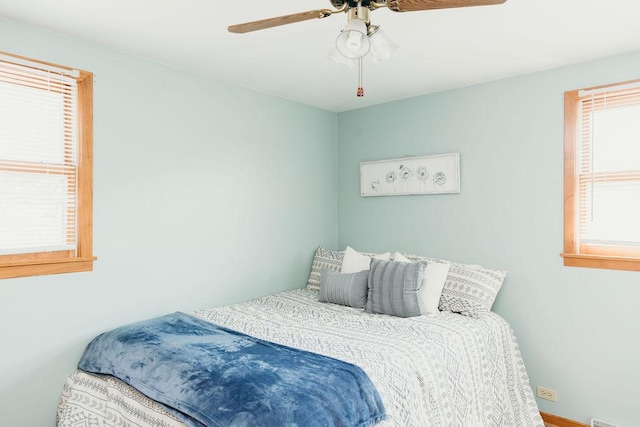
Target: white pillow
[
  {"x": 398, "y": 257},
  {"x": 354, "y": 261},
  {"x": 435, "y": 276}
]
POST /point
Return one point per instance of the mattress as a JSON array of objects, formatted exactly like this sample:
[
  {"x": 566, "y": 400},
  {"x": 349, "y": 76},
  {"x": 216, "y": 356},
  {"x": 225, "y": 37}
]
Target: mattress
[{"x": 443, "y": 369}]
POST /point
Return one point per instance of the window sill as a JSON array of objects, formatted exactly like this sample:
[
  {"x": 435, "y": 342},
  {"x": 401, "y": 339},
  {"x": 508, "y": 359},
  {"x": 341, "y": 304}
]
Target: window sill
[
  {"x": 601, "y": 261},
  {"x": 42, "y": 267}
]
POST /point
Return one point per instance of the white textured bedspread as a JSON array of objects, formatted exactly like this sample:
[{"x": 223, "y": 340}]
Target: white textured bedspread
[{"x": 434, "y": 370}]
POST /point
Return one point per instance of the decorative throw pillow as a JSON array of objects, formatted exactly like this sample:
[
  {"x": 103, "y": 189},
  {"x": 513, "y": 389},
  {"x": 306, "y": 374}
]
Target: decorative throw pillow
[
  {"x": 331, "y": 260},
  {"x": 471, "y": 291},
  {"x": 355, "y": 261},
  {"x": 435, "y": 276},
  {"x": 397, "y": 256},
  {"x": 344, "y": 289},
  {"x": 416, "y": 258},
  {"x": 395, "y": 288}
]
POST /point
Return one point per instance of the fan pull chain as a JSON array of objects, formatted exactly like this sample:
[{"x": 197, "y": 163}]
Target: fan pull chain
[{"x": 360, "y": 92}]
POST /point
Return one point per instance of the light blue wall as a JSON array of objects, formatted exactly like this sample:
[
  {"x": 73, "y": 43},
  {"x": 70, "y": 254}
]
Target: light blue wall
[
  {"x": 208, "y": 194},
  {"x": 205, "y": 194},
  {"x": 578, "y": 328}
]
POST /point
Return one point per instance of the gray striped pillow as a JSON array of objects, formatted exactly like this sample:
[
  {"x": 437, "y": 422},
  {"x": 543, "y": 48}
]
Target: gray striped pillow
[
  {"x": 345, "y": 289},
  {"x": 395, "y": 288}
]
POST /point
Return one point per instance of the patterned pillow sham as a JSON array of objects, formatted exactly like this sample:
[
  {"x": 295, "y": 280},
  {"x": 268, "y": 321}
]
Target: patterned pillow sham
[
  {"x": 469, "y": 289},
  {"x": 348, "y": 289},
  {"x": 331, "y": 260},
  {"x": 395, "y": 288}
]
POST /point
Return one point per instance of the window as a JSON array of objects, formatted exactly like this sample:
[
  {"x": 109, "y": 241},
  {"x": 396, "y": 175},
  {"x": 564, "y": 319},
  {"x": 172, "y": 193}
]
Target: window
[
  {"x": 46, "y": 189},
  {"x": 602, "y": 177}
]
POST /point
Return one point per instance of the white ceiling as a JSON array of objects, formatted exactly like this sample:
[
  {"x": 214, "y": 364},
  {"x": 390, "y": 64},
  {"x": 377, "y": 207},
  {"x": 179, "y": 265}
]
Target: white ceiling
[{"x": 439, "y": 49}]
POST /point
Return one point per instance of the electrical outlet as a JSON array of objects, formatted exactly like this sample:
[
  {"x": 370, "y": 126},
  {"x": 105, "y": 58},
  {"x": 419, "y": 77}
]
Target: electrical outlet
[{"x": 547, "y": 393}]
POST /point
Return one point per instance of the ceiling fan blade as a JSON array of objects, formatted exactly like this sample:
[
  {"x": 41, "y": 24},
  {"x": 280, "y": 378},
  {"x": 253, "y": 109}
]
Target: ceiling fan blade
[
  {"x": 280, "y": 20},
  {"x": 415, "y": 5}
]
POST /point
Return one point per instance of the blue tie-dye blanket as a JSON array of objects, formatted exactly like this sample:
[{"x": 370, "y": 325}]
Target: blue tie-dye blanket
[{"x": 218, "y": 377}]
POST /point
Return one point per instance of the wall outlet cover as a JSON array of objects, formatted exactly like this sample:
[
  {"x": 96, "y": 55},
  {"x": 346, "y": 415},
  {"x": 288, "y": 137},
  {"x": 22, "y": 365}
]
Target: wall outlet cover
[{"x": 547, "y": 393}]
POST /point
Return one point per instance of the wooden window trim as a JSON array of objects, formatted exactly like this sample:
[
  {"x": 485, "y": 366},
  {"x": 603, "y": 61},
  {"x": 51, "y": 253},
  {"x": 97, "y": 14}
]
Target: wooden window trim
[
  {"x": 600, "y": 261},
  {"x": 576, "y": 254},
  {"x": 42, "y": 263}
]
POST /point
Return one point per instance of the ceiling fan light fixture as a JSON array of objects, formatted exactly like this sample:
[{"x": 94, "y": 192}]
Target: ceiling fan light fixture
[
  {"x": 381, "y": 45},
  {"x": 353, "y": 42},
  {"x": 336, "y": 57}
]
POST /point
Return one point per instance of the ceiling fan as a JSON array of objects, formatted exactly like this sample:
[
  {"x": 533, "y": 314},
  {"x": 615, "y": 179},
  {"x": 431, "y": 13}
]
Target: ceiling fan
[
  {"x": 359, "y": 36},
  {"x": 351, "y": 7}
]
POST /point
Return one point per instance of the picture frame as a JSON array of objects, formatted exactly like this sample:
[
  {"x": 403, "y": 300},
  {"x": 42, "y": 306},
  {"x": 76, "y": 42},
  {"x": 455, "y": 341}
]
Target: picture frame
[{"x": 433, "y": 174}]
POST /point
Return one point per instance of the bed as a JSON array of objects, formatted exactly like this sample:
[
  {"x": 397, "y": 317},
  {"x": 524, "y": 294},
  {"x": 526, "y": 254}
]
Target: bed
[{"x": 440, "y": 369}]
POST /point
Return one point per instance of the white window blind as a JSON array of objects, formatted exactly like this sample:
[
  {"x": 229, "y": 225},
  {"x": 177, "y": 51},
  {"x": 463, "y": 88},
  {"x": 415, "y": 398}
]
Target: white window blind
[
  {"x": 608, "y": 167},
  {"x": 38, "y": 157}
]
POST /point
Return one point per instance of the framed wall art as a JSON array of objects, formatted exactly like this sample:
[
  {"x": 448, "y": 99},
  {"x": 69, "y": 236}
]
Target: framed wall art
[{"x": 437, "y": 174}]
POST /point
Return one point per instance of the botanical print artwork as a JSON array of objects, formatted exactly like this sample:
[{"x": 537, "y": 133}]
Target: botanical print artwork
[
  {"x": 440, "y": 178},
  {"x": 411, "y": 175},
  {"x": 405, "y": 172},
  {"x": 422, "y": 173}
]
